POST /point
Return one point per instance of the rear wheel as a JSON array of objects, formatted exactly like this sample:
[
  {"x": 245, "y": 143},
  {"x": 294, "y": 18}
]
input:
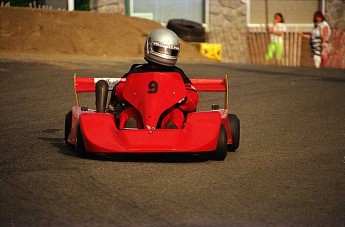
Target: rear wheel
[
  {"x": 80, "y": 146},
  {"x": 68, "y": 126},
  {"x": 235, "y": 132},
  {"x": 220, "y": 153}
]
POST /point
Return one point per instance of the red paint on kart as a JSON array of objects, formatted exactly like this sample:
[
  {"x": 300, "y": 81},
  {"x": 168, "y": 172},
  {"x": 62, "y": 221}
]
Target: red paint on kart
[
  {"x": 153, "y": 93},
  {"x": 199, "y": 135}
]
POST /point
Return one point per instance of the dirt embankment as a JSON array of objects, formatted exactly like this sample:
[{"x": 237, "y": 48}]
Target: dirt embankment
[{"x": 43, "y": 32}]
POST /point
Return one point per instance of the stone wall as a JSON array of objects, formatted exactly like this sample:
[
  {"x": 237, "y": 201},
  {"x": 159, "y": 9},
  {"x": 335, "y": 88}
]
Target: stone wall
[
  {"x": 108, "y": 6},
  {"x": 335, "y": 13},
  {"x": 227, "y": 26}
]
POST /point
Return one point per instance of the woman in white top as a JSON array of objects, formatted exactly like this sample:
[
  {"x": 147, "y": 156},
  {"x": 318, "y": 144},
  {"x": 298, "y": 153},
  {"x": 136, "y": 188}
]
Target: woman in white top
[
  {"x": 276, "y": 45},
  {"x": 319, "y": 39}
]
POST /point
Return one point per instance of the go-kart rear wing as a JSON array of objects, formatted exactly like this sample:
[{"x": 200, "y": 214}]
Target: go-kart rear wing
[{"x": 83, "y": 84}]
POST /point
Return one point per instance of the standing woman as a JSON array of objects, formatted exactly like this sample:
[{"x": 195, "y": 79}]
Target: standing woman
[
  {"x": 276, "y": 45},
  {"x": 319, "y": 40}
]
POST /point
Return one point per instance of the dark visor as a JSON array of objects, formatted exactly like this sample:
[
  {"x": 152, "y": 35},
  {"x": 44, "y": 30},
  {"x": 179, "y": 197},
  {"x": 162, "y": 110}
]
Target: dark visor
[{"x": 164, "y": 50}]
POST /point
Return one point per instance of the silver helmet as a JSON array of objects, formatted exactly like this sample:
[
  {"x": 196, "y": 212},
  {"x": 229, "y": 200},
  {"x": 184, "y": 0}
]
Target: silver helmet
[{"x": 162, "y": 46}]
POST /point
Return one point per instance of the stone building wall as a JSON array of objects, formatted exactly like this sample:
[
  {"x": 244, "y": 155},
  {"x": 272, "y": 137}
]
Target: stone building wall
[
  {"x": 227, "y": 26},
  {"x": 335, "y": 13},
  {"x": 108, "y": 6}
]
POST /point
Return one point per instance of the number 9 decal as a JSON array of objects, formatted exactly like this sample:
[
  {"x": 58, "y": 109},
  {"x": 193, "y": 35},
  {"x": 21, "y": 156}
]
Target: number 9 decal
[{"x": 152, "y": 87}]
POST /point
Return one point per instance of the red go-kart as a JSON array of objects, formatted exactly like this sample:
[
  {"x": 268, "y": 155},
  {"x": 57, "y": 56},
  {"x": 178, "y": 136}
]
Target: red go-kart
[{"x": 213, "y": 132}]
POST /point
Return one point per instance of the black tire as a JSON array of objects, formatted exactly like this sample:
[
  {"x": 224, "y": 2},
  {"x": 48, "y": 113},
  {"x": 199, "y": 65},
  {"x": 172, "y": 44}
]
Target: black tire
[
  {"x": 235, "y": 132},
  {"x": 68, "y": 126},
  {"x": 187, "y": 30},
  {"x": 221, "y": 151},
  {"x": 80, "y": 146}
]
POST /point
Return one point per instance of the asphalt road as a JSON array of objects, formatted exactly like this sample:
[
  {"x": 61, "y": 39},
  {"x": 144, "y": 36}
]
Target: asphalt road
[{"x": 289, "y": 169}]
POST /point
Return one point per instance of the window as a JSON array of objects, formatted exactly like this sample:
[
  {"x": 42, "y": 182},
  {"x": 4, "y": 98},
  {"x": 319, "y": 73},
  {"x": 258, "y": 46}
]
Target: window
[{"x": 164, "y": 10}]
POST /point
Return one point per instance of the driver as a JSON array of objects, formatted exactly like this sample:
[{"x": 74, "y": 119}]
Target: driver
[{"x": 161, "y": 51}]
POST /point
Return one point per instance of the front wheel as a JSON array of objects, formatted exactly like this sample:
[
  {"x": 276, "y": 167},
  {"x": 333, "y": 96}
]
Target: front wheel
[
  {"x": 235, "y": 132},
  {"x": 221, "y": 152}
]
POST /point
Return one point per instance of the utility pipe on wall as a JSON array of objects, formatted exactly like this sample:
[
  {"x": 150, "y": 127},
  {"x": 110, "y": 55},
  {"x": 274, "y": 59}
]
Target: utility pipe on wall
[{"x": 70, "y": 5}]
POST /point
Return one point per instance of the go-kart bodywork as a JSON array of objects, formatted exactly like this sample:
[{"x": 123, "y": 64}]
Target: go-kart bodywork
[{"x": 151, "y": 94}]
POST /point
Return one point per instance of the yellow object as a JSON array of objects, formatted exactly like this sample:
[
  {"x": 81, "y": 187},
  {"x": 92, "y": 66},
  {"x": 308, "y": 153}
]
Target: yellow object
[{"x": 211, "y": 50}]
